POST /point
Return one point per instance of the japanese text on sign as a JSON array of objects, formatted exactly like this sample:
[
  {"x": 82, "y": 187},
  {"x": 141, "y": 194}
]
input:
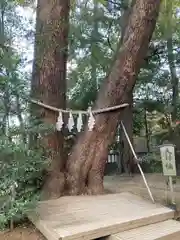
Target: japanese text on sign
[{"x": 168, "y": 160}]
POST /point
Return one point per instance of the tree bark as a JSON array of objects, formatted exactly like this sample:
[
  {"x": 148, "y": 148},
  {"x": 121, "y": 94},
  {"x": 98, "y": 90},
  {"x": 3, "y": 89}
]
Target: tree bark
[
  {"x": 171, "y": 61},
  {"x": 127, "y": 156},
  {"x": 20, "y": 118},
  {"x": 84, "y": 167},
  {"x": 147, "y": 130},
  {"x": 127, "y": 118},
  {"x": 174, "y": 78},
  {"x": 49, "y": 80}
]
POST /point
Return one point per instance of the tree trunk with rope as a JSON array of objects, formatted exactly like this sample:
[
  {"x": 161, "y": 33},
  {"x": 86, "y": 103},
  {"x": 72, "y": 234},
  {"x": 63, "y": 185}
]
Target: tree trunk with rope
[
  {"x": 85, "y": 166},
  {"x": 49, "y": 82}
]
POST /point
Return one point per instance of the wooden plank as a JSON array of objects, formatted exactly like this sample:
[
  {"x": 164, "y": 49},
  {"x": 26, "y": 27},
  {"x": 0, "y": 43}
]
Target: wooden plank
[
  {"x": 97, "y": 230},
  {"x": 167, "y": 230},
  {"x": 90, "y": 217}
]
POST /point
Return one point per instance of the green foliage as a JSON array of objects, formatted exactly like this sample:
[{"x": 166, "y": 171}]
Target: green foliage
[
  {"x": 22, "y": 166},
  {"x": 93, "y": 39},
  {"x": 151, "y": 163},
  {"x": 18, "y": 162},
  {"x": 138, "y": 120}
]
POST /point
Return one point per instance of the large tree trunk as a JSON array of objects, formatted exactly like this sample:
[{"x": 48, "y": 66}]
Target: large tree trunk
[
  {"x": 49, "y": 80},
  {"x": 85, "y": 167}
]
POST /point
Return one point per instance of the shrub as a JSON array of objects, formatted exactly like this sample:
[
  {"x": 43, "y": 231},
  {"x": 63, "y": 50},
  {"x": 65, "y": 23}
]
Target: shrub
[
  {"x": 151, "y": 163},
  {"x": 21, "y": 169}
]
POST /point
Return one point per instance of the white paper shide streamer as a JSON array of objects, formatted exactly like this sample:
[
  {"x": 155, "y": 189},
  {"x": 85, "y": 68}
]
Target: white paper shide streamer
[
  {"x": 79, "y": 122},
  {"x": 60, "y": 122},
  {"x": 70, "y": 122},
  {"x": 91, "y": 120}
]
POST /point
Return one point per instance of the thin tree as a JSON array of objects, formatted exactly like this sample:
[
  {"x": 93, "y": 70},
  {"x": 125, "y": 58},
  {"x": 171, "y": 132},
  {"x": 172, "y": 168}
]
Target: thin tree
[
  {"x": 127, "y": 156},
  {"x": 172, "y": 61}
]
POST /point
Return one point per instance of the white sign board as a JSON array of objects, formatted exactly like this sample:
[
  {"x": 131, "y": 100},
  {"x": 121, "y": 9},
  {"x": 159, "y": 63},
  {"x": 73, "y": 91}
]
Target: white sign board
[{"x": 168, "y": 159}]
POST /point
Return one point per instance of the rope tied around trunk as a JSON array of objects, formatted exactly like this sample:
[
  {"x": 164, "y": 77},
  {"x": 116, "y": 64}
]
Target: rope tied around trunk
[
  {"x": 98, "y": 111},
  {"x": 91, "y": 123}
]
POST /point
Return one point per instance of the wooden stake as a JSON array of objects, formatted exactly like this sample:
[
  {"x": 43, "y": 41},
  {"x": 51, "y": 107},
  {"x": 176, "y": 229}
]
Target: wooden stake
[
  {"x": 171, "y": 190},
  {"x": 135, "y": 156}
]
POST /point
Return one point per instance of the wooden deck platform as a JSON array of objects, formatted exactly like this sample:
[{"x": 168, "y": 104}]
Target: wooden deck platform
[
  {"x": 166, "y": 230},
  {"x": 91, "y": 217}
]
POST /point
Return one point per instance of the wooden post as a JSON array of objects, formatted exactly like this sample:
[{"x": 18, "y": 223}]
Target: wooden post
[
  {"x": 137, "y": 162},
  {"x": 169, "y": 167},
  {"x": 13, "y": 195},
  {"x": 171, "y": 190}
]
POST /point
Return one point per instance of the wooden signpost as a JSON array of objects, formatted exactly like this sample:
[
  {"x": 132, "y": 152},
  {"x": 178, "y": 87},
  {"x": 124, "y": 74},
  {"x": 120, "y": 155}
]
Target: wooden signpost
[{"x": 169, "y": 165}]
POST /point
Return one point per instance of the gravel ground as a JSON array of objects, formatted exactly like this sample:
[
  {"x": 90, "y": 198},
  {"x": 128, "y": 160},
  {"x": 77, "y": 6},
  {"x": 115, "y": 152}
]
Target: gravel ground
[{"x": 22, "y": 233}]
